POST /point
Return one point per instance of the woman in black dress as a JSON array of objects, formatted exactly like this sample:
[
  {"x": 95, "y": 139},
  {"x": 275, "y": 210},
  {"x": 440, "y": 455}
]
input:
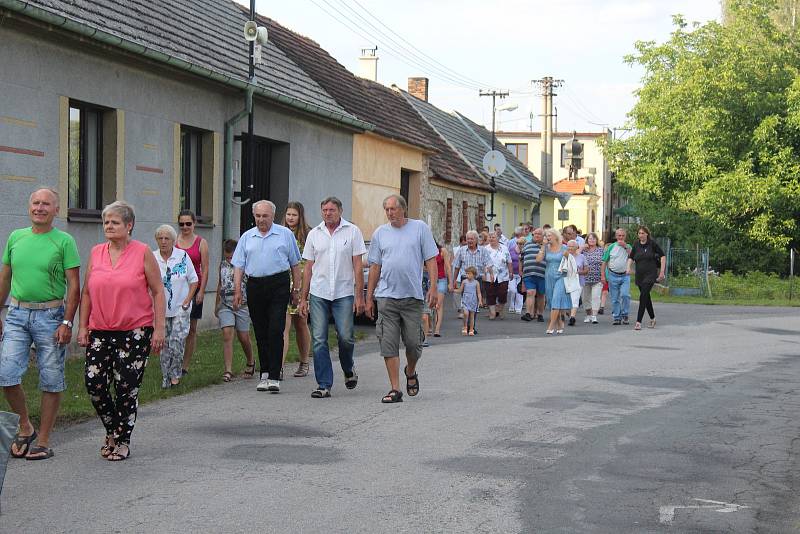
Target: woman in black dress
[{"x": 650, "y": 266}]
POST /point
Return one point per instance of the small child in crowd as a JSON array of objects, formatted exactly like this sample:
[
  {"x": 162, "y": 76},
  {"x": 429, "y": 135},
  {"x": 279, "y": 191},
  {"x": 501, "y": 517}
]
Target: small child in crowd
[
  {"x": 471, "y": 299},
  {"x": 230, "y": 319}
]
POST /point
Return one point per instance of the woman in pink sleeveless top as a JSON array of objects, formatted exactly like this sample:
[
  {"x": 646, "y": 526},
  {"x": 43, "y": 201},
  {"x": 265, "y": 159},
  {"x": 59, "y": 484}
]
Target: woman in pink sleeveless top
[
  {"x": 122, "y": 319},
  {"x": 197, "y": 249}
]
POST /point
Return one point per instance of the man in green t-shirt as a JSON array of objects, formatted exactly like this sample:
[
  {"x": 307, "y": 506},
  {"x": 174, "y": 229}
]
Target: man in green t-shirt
[{"x": 40, "y": 265}]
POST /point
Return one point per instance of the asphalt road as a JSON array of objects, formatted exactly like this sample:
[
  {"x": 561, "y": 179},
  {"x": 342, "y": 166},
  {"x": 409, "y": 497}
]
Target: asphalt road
[{"x": 691, "y": 427}]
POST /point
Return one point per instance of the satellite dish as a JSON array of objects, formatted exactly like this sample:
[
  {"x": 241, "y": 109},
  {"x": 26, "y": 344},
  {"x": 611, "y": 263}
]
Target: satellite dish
[{"x": 494, "y": 163}]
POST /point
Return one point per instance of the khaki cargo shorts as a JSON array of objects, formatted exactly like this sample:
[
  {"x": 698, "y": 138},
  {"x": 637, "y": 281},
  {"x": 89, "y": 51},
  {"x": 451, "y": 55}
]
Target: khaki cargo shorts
[{"x": 400, "y": 318}]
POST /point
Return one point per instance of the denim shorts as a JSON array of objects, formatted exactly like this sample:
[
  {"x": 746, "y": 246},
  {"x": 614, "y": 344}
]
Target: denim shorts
[
  {"x": 238, "y": 318},
  {"x": 22, "y": 328},
  {"x": 534, "y": 282},
  {"x": 441, "y": 286}
]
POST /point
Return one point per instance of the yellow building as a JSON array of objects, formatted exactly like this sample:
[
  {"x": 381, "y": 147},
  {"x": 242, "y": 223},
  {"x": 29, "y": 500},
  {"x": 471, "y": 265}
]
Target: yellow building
[
  {"x": 381, "y": 167},
  {"x": 527, "y": 146},
  {"x": 581, "y": 208}
]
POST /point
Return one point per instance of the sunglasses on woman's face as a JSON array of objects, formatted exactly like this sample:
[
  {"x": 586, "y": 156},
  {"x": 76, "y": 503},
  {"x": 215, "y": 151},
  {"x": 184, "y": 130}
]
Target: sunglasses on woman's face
[{"x": 182, "y": 224}]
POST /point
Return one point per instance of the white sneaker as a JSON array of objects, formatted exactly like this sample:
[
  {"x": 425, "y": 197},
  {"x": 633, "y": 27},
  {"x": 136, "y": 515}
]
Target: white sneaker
[
  {"x": 263, "y": 385},
  {"x": 594, "y": 319},
  {"x": 273, "y": 386},
  {"x": 588, "y": 319}
]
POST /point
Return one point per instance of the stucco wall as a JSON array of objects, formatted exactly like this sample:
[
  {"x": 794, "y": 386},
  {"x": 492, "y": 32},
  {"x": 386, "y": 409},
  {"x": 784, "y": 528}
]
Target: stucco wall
[
  {"x": 508, "y": 204},
  {"x": 580, "y": 208},
  {"x": 37, "y": 73},
  {"x": 434, "y": 208},
  {"x": 377, "y": 164}
]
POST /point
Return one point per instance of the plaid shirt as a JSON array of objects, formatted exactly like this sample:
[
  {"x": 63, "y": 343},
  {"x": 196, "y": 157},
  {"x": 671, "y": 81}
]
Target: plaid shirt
[{"x": 480, "y": 259}]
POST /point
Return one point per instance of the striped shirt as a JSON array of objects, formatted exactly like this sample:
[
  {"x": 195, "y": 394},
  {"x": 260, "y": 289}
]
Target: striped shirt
[{"x": 531, "y": 267}]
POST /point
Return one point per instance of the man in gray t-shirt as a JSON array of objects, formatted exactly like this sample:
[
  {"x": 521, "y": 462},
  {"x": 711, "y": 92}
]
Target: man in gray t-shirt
[{"x": 397, "y": 252}]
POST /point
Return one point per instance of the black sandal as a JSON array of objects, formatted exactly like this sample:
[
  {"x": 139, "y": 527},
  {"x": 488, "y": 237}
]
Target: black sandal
[
  {"x": 23, "y": 441},
  {"x": 392, "y": 396},
  {"x": 411, "y": 389},
  {"x": 227, "y": 376},
  {"x": 249, "y": 370},
  {"x": 117, "y": 456}
]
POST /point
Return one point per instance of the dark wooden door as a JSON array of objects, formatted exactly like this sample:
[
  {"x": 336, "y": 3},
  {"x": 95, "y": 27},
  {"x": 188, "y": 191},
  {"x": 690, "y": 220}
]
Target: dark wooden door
[{"x": 256, "y": 187}]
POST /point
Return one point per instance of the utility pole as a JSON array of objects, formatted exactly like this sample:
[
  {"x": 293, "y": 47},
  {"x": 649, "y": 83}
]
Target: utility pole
[
  {"x": 494, "y": 94},
  {"x": 547, "y": 84}
]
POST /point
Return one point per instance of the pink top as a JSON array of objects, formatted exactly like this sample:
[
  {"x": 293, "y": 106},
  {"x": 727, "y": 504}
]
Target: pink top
[
  {"x": 120, "y": 296},
  {"x": 194, "y": 255}
]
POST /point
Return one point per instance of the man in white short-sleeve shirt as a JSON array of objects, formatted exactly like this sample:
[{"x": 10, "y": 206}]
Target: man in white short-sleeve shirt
[
  {"x": 397, "y": 253},
  {"x": 334, "y": 279}
]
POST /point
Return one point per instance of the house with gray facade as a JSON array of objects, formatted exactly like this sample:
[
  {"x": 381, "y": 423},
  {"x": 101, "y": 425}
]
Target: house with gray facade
[{"x": 137, "y": 100}]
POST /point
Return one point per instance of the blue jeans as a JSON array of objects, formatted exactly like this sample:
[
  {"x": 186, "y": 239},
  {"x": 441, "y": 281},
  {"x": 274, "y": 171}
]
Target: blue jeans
[
  {"x": 619, "y": 289},
  {"x": 321, "y": 312},
  {"x": 24, "y": 327}
]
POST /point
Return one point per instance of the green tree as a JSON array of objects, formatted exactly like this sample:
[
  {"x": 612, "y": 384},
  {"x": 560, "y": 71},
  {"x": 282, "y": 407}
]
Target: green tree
[
  {"x": 784, "y": 13},
  {"x": 715, "y": 157}
]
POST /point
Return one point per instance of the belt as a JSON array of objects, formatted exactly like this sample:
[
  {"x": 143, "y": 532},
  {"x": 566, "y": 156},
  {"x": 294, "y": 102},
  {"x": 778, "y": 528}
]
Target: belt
[
  {"x": 268, "y": 277},
  {"x": 615, "y": 272},
  {"x": 37, "y": 305}
]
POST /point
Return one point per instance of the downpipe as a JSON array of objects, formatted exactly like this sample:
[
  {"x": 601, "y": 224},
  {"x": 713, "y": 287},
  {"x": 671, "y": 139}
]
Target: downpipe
[{"x": 227, "y": 196}]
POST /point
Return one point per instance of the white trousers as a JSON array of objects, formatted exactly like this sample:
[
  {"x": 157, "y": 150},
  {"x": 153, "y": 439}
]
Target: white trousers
[
  {"x": 514, "y": 298},
  {"x": 591, "y": 295}
]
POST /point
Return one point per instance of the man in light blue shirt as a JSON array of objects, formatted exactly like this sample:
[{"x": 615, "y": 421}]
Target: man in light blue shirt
[
  {"x": 396, "y": 255},
  {"x": 267, "y": 254}
]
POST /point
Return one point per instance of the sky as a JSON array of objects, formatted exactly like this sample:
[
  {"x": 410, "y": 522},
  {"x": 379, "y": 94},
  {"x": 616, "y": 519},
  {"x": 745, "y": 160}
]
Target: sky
[{"x": 467, "y": 45}]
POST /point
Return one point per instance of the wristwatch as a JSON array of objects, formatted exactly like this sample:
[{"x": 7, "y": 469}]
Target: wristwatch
[{"x": 68, "y": 324}]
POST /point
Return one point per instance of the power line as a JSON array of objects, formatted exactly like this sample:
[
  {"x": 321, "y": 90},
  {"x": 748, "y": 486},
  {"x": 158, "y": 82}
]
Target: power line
[
  {"x": 573, "y": 98},
  {"x": 418, "y": 59},
  {"x": 353, "y": 27},
  {"x": 581, "y": 115},
  {"x": 411, "y": 45}
]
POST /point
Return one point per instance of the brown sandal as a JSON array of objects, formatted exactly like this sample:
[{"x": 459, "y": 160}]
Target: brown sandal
[
  {"x": 302, "y": 370},
  {"x": 107, "y": 448},
  {"x": 227, "y": 376}
]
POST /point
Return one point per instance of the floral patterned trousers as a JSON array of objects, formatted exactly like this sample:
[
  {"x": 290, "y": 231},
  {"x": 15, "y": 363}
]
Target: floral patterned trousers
[
  {"x": 117, "y": 358},
  {"x": 172, "y": 354}
]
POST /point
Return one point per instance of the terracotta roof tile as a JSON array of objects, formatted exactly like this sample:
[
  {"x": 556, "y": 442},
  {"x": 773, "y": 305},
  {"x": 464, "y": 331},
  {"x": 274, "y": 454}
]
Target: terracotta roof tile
[
  {"x": 385, "y": 108},
  {"x": 575, "y": 187}
]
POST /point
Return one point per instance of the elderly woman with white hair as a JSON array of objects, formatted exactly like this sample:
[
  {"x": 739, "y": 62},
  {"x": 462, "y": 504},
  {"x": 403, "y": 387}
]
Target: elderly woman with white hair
[
  {"x": 122, "y": 319},
  {"x": 180, "y": 282}
]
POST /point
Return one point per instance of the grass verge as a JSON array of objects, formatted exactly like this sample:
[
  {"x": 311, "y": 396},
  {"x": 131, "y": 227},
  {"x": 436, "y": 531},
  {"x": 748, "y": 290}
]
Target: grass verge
[
  {"x": 206, "y": 369},
  {"x": 716, "y": 301}
]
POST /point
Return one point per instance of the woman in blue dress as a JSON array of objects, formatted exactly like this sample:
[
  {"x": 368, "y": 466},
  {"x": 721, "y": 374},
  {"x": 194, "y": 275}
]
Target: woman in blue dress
[{"x": 558, "y": 300}]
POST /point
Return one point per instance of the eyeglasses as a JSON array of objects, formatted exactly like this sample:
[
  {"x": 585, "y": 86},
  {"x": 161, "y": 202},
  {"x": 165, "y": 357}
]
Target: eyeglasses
[{"x": 182, "y": 224}]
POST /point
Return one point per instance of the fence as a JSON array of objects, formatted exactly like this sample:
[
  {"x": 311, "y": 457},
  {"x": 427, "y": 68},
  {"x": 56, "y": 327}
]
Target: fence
[{"x": 689, "y": 273}]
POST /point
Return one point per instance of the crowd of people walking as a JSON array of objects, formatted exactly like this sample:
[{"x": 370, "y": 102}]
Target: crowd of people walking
[{"x": 137, "y": 300}]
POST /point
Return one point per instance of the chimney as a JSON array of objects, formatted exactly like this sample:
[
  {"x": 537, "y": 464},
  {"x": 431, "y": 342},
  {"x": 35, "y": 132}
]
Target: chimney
[
  {"x": 418, "y": 87},
  {"x": 368, "y": 64}
]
